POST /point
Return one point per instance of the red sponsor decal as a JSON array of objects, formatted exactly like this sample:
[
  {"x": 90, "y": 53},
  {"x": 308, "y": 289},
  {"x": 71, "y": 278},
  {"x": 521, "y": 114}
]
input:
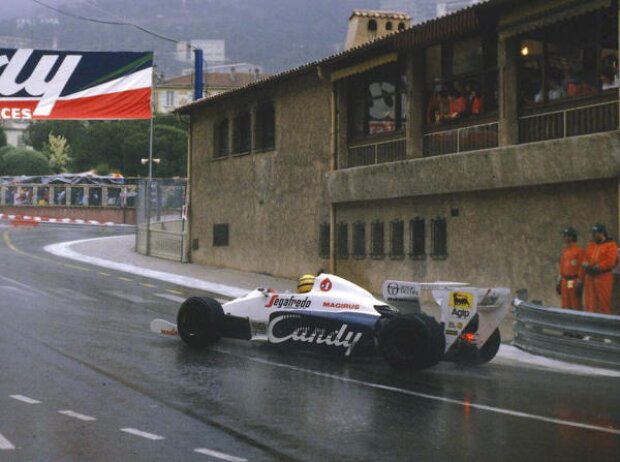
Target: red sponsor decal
[{"x": 326, "y": 285}]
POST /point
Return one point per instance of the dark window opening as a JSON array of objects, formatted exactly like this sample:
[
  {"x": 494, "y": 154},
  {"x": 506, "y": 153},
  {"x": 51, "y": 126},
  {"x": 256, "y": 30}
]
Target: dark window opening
[
  {"x": 377, "y": 102},
  {"x": 372, "y": 25},
  {"x": 439, "y": 238},
  {"x": 220, "y": 235},
  {"x": 417, "y": 238},
  {"x": 461, "y": 80},
  {"x": 221, "y": 139},
  {"x": 388, "y": 25},
  {"x": 359, "y": 240},
  {"x": 324, "y": 238},
  {"x": 342, "y": 240},
  {"x": 265, "y": 127},
  {"x": 243, "y": 134},
  {"x": 377, "y": 240},
  {"x": 571, "y": 59},
  {"x": 397, "y": 239},
  {"x": 401, "y": 26}
]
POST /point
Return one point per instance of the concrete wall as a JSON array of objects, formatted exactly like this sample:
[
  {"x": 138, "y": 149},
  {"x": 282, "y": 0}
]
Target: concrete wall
[
  {"x": 508, "y": 237},
  {"x": 273, "y": 201}
]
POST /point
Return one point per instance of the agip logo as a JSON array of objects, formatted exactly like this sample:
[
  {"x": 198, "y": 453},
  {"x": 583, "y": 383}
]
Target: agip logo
[{"x": 461, "y": 304}]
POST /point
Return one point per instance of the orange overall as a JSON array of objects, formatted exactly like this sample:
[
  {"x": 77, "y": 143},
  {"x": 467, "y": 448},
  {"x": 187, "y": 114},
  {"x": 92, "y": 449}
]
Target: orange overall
[
  {"x": 570, "y": 265},
  {"x": 598, "y": 286}
]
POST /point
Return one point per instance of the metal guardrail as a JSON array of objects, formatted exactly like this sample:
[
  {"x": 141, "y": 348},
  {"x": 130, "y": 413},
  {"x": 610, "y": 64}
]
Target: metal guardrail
[
  {"x": 576, "y": 336},
  {"x": 377, "y": 153},
  {"x": 461, "y": 139}
]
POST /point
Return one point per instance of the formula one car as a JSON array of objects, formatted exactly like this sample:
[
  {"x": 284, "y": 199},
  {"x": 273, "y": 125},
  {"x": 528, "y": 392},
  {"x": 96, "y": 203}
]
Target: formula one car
[{"x": 337, "y": 317}]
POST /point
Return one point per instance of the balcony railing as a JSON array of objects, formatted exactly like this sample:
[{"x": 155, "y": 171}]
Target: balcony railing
[
  {"x": 377, "y": 153},
  {"x": 461, "y": 139},
  {"x": 584, "y": 120}
]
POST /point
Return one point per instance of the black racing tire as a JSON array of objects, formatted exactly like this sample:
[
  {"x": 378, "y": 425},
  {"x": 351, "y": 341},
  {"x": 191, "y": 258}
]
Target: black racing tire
[
  {"x": 199, "y": 321},
  {"x": 469, "y": 355},
  {"x": 411, "y": 341}
]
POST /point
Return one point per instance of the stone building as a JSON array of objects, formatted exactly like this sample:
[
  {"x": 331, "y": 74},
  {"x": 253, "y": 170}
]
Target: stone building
[{"x": 453, "y": 150}]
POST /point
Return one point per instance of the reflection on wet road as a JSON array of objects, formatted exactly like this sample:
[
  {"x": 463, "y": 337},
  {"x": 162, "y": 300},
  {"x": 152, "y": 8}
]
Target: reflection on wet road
[{"x": 74, "y": 338}]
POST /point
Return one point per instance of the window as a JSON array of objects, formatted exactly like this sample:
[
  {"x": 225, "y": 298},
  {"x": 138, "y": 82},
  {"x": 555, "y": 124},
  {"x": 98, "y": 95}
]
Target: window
[
  {"x": 169, "y": 98},
  {"x": 220, "y": 235},
  {"x": 265, "y": 127},
  {"x": 77, "y": 196},
  {"x": 439, "y": 237},
  {"x": 372, "y": 25},
  {"x": 377, "y": 240},
  {"x": 461, "y": 80},
  {"x": 242, "y": 134},
  {"x": 377, "y": 102},
  {"x": 397, "y": 239},
  {"x": 359, "y": 240},
  {"x": 221, "y": 139},
  {"x": 342, "y": 240},
  {"x": 94, "y": 196},
  {"x": 571, "y": 59},
  {"x": 324, "y": 238},
  {"x": 389, "y": 25},
  {"x": 417, "y": 238}
]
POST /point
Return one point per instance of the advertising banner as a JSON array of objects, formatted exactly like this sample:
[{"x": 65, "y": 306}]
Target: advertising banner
[{"x": 44, "y": 84}]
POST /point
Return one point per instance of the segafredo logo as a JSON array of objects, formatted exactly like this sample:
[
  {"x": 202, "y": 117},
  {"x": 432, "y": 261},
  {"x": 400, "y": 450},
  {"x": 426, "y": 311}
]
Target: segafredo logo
[
  {"x": 41, "y": 82},
  {"x": 341, "y": 338},
  {"x": 288, "y": 302}
]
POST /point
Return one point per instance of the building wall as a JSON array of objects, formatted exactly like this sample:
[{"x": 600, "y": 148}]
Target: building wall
[
  {"x": 273, "y": 201},
  {"x": 507, "y": 237}
]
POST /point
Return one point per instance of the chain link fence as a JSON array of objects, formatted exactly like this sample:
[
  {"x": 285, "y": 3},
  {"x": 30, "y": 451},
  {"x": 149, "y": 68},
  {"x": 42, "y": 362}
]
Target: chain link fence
[{"x": 159, "y": 218}]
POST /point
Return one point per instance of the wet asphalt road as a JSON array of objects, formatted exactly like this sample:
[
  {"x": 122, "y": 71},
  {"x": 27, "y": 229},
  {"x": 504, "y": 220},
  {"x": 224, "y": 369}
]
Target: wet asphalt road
[{"x": 74, "y": 338}]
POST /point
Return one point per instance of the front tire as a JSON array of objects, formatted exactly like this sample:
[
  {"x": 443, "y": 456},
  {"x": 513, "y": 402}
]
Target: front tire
[
  {"x": 199, "y": 321},
  {"x": 411, "y": 341}
]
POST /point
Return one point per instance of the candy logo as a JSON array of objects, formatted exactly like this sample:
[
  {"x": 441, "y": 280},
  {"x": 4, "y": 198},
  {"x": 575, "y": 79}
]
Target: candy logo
[
  {"x": 41, "y": 82},
  {"x": 326, "y": 285}
]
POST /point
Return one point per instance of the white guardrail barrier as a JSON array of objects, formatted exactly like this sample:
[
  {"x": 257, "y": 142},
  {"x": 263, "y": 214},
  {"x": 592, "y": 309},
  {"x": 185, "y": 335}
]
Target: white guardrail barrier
[{"x": 569, "y": 335}]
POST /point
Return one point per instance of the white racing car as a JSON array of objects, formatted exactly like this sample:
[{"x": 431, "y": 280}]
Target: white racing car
[{"x": 338, "y": 317}]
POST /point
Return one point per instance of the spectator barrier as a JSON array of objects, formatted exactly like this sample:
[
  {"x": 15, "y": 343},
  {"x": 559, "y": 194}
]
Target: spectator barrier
[{"x": 575, "y": 336}]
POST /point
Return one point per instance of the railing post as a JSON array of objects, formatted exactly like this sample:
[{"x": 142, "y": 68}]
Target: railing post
[
  {"x": 104, "y": 196},
  {"x": 2, "y": 195}
]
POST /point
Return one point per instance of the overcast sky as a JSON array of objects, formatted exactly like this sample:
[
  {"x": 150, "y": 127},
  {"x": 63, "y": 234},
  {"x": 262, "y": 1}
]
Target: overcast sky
[{"x": 17, "y": 8}]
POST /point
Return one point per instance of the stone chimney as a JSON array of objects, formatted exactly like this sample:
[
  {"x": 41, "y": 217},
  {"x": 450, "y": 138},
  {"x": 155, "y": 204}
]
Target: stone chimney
[{"x": 367, "y": 25}]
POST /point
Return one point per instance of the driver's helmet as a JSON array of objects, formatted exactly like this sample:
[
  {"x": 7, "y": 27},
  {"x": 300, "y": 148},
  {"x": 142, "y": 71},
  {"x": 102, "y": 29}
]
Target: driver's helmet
[{"x": 305, "y": 283}]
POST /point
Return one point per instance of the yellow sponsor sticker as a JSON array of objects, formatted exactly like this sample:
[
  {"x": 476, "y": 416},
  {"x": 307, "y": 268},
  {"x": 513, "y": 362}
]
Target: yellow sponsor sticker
[{"x": 461, "y": 300}]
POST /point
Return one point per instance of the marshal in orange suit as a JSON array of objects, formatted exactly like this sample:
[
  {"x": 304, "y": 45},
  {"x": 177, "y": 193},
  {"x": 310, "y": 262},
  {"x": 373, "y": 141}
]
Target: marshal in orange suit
[
  {"x": 600, "y": 259},
  {"x": 570, "y": 286}
]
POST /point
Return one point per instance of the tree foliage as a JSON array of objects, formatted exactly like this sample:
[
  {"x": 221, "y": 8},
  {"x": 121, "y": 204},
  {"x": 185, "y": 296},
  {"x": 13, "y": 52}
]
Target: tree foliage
[
  {"x": 20, "y": 161},
  {"x": 58, "y": 152},
  {"x": 2, "y": 138},
  {"x": 118, "y": 146}
]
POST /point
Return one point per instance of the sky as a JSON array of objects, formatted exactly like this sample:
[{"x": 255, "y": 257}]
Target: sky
[{"x": 17, "y": 8}]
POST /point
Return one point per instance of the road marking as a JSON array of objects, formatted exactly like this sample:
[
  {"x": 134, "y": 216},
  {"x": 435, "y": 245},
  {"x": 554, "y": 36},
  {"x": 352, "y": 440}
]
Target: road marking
[
  {"x": 465, "y": 404},
  {"x": 146, "y": 284},
  {"x": 148, "y": 436},
  {"x": 5, "y": 445},
  {"x": 75, "y": 415},
  {"x": 72, "y": 294},
  {"x": 125, "y": 296},
  {"x": 172, "y": 298},
  {"x": 28, "y": 288},
  {"x": 219, "y": 455},
  {"x": 122, "y": 278},
  {"x": 103, "y": 274},
  {"x": 172, "y": 291},
  {"x": 25, "y": 399}
]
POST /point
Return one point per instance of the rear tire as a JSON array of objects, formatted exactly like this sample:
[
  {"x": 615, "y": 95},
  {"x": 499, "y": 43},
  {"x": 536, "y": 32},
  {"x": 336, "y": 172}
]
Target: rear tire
[
  {"x": 411, "y": 341},
  {"x": 199, "y": 321}
]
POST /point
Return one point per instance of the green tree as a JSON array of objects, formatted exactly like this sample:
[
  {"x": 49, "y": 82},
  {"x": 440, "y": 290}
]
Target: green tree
[
  {"x": 20, "y": 161},
  {"x": 58, "y": 152},
  {"x": 2, "y": 138},
  {"x": 37, "y": 133}
]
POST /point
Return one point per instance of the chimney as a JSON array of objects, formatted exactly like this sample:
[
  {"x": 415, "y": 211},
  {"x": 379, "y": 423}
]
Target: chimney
[{"x": 367, "y": 25}]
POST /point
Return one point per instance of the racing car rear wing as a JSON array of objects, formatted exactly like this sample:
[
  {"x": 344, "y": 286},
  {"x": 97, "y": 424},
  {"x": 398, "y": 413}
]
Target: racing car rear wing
[{"x": 459, "y": 304}]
